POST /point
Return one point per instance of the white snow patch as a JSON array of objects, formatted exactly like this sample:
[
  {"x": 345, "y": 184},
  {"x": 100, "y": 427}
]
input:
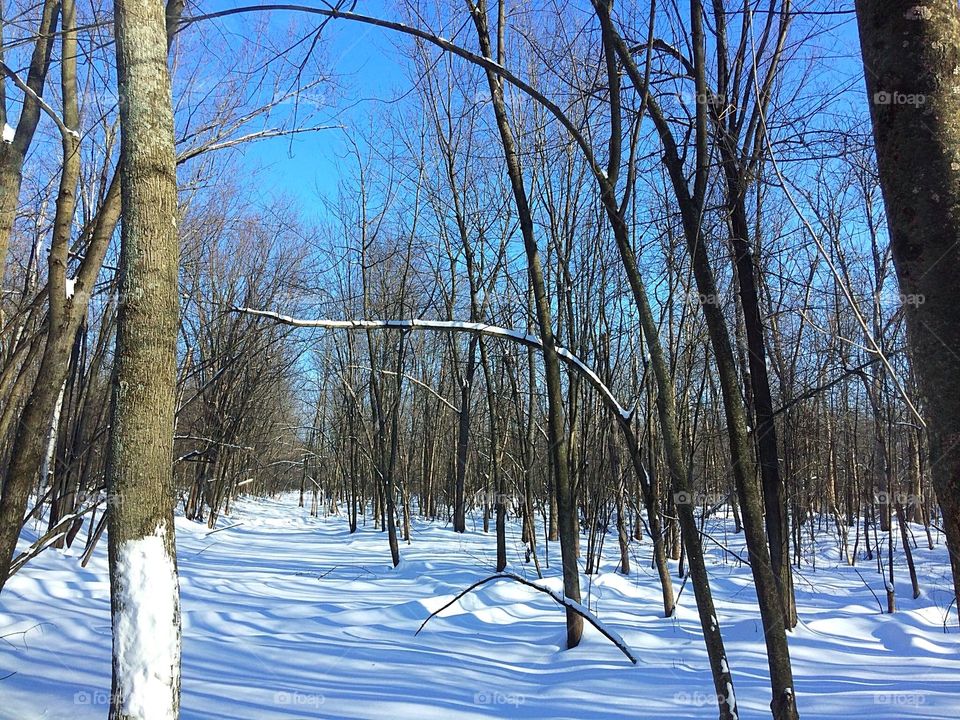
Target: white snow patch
[
  {"x": 731, "y": 700},
  {"x": 146, "y": 639},
  {"x": 70, "y": 286},
  {"x": 8, "y": 133}
]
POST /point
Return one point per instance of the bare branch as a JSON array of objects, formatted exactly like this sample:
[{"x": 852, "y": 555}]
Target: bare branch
[
  {"x": 557, "y": 597},
  {"x": 532, "y": 341}
]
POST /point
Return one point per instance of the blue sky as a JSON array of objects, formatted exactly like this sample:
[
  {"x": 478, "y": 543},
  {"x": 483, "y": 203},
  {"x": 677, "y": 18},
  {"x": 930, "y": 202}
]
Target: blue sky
[{"x": 367, "y": 69}]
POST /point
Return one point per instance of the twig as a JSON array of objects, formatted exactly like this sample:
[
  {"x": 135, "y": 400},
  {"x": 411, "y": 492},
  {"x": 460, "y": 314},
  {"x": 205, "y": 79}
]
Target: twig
[
  {"x": 226, "y": 527},
  {"x": 23, "y": 633},
  {"x": 880, "y": 604}
]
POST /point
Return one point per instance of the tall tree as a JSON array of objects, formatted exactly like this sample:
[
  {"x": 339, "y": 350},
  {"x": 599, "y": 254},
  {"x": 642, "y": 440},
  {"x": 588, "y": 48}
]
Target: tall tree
[
  {"x": 143, "y": 576},
  {"x": 556, "y": 423},
  {"x": 911, "y": 60}
]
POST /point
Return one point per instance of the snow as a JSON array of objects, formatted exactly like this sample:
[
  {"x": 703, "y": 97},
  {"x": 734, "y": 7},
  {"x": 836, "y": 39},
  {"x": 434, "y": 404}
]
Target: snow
[
  {"x": 290, "y": 617},
  {"x": 731, "y": 700},
  {"x": 8, "y": 133},
  {"x": 146, "y": 641},
  {"x": 70, "y": 286}
]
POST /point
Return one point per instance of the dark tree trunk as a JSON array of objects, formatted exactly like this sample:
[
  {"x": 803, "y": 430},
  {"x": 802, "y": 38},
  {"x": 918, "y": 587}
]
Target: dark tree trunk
[
  {"x": 463, "y": 440},
  {"x": 911, "y": 56},
  {"x": 567, "y": 521}
]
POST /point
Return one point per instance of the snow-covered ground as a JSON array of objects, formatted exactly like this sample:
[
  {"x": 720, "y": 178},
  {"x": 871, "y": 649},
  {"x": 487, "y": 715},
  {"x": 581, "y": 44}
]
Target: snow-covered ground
[{"x": 287, "y": 616}]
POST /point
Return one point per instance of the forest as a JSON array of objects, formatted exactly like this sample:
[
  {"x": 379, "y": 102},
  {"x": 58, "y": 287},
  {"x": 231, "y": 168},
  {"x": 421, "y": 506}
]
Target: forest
[{"x": 576, "y": 359}]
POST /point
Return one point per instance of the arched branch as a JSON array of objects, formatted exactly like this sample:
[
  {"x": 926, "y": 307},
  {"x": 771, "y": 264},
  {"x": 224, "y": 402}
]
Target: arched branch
[
  {"x": 567, "y": 357},
  {"x": 557, "y": 597}
]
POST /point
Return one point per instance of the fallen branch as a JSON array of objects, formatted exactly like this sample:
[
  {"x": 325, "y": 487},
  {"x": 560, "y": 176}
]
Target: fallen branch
[
  {"x": 43, "y": 542},
  {"x": 557, "y": 597},
  {"x": 867, "y": 585}
]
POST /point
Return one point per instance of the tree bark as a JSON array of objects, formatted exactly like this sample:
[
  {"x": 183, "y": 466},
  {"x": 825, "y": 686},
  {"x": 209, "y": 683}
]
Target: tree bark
[
  {"x": 911, "y": 57},
  {"x": 463, "y": 440},
  {"x": 143, "y": 579}
]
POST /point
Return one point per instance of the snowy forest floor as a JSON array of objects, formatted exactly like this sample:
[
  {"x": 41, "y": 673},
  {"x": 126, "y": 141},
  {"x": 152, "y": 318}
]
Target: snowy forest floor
[{"x": 289, "y": 616}]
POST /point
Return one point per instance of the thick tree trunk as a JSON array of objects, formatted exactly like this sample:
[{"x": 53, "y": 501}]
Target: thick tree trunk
[
  {"x": 911, "y": 56},
  {"x": 143, "y": 576}
]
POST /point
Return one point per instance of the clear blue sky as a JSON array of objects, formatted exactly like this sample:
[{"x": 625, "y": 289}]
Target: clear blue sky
[{"x": 367, "y": 70}]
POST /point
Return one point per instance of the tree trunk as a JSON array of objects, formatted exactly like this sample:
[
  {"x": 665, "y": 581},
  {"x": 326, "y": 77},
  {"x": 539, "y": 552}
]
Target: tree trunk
[
  {"x": 568, "y": 523},
  {"x": 765, "y": 432},
  {"x": 911, "y": 54},
  {"x": 143, "y": 576},
  {"x": 463, "y": 440}
]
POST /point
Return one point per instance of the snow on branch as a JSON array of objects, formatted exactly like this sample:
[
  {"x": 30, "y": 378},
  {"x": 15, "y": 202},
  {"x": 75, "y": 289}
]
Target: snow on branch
[
  {"x": 29, "y": 92},
  {"x": 532, "y": 341},
  {"x": 557, "y": 597}
]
